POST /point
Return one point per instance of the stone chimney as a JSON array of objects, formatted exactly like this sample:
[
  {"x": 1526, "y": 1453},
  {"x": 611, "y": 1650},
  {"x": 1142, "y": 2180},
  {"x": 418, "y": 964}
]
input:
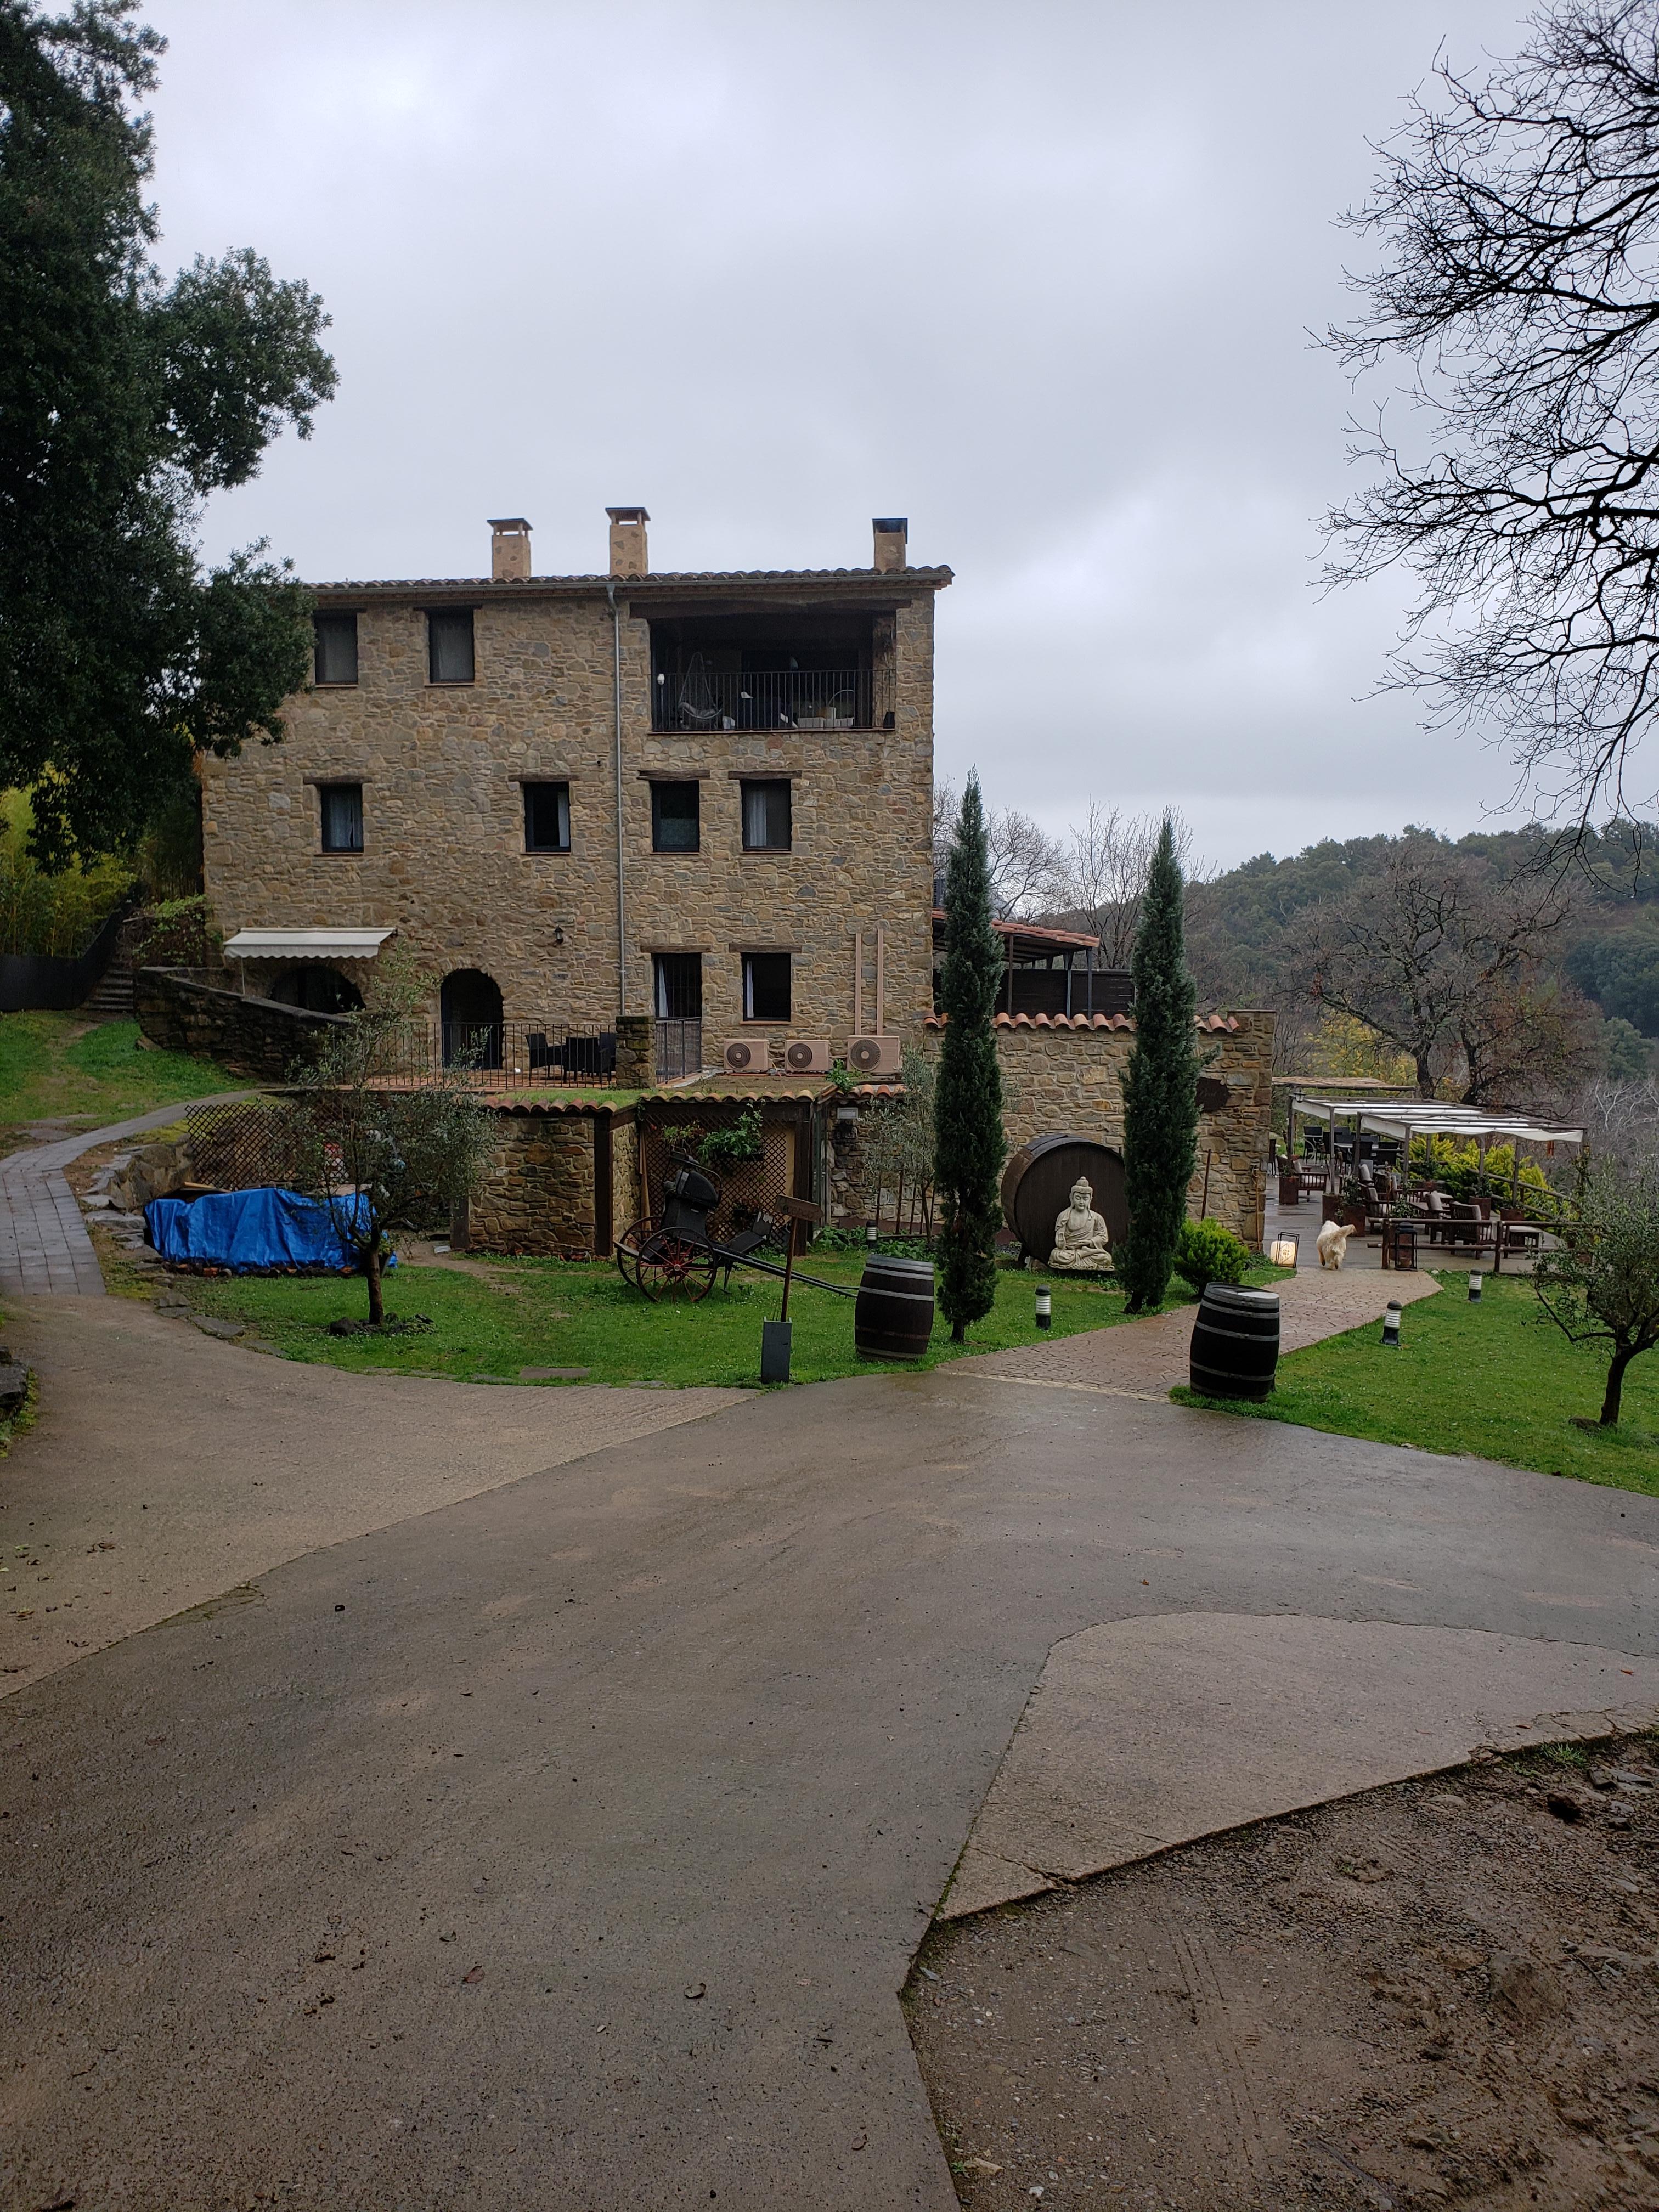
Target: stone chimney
[
  {"x": 509, "y": 549},
  {"x": 891, "y": 530},
  {"x": 628, "y": 554}
]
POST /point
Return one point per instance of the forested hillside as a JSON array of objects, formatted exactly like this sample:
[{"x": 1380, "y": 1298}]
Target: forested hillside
[{"x": 1272, "y": 932}]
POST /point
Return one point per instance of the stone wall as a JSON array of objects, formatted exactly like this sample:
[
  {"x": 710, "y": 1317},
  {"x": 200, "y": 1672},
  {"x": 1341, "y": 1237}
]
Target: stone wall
[
  {"x": 540, "y": 1194},
  {"x": 444, "y": 864},
  {"x": 1066, "y": 1078},
  {"x": 195, "y": 1011}
]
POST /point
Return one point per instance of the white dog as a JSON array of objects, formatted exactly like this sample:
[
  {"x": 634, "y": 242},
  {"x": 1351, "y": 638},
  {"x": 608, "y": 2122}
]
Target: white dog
[{"x": 1331, "y": 1243}]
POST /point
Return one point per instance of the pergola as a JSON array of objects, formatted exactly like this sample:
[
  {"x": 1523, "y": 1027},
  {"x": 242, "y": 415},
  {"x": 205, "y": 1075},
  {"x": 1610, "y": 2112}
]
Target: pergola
[{"x": 1402, "y": 1119}]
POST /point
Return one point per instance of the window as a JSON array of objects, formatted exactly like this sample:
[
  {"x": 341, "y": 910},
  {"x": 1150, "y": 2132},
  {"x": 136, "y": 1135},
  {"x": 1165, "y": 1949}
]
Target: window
[
  {"x": 678, "y": 982},
  {"x": 673, "y": 817},
  {"x": 337, "y": 648},
  {"x": 343, "y": 817},
  {"x": 449, "y": 644},
  {"x": 766, "y": 986},
  {"x": 765, "y": 821},
  {"x": 547, "y": 818}
]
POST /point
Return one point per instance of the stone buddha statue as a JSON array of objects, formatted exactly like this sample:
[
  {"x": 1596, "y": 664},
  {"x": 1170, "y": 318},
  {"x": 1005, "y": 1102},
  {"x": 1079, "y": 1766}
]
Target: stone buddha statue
[{"x": 1081, "y": 1244}]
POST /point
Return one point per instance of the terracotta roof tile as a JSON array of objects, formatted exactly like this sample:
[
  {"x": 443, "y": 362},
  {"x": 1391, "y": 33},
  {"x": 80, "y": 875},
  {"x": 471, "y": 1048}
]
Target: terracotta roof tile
[{"x": 659, "y": 583}]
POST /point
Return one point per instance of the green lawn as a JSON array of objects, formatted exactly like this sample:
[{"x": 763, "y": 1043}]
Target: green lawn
[
  {"x": 1497, "y": 1380},
  {"x": 53, "y": 1067},
  {"x": 544, "y": 1313}
]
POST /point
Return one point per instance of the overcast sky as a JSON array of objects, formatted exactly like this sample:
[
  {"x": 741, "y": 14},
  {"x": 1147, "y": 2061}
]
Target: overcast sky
[{"x": 1039, "y": 275}]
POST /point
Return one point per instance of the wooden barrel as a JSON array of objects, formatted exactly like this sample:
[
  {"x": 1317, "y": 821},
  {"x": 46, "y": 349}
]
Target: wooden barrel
[
  {"x": 1234, "y": 1342},
  {"x": 1036, "y": 1189},
  {"x": 894, "y": 1316}
]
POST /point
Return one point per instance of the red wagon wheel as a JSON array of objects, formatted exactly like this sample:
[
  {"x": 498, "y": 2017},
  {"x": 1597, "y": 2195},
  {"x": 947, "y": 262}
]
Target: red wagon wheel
[{"x": 666, "y": 1262}]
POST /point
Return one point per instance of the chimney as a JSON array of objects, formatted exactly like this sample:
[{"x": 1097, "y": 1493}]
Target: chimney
[
  {"x": 627, "y": 553},
  {"x": 891, "y": 530},
  {"x": 509, "y": 549}
]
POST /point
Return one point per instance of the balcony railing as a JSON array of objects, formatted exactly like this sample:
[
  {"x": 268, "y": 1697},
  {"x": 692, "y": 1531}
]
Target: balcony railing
[{"x": 782, "y": 699}]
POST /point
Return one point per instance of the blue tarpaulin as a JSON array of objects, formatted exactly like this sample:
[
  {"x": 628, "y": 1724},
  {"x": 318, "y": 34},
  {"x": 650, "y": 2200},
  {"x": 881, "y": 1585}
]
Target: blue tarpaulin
[{"x": 249, "y": 1229}]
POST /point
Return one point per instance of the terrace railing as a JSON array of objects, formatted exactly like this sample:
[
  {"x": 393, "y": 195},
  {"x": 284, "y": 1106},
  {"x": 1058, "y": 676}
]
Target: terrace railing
[
  {"x": 507, "y": 1056},
  {"x": 780, "y": 699}
]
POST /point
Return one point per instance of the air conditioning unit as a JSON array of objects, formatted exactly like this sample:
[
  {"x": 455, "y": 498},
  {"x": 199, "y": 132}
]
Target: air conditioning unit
[
  {"x": 807, "y": 1056},
  {"x": 746, "y": 1056},
  {"x": 872, "y": 1055}
]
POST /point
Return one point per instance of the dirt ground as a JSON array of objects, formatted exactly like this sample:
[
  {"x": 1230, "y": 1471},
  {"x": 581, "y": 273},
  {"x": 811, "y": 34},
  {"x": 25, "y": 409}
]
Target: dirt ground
[{"x": 1443, "y": 1992}]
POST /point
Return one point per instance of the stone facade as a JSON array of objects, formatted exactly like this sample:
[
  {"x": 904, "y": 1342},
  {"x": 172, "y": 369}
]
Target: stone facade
[
  {"x": 197, "y": 1011},
  {"x": 1069, "y": 1075},
  {"x": 562, "y": 1181},
  {"x": 441, "y": 765},
  {"x": 1066, "y": 1077}
]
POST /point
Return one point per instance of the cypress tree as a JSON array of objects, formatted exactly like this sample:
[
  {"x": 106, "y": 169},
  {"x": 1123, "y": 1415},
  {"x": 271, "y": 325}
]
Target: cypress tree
[
  {"x": 967, "y": 1139},
  {"x": 1160, "y": 1088}
]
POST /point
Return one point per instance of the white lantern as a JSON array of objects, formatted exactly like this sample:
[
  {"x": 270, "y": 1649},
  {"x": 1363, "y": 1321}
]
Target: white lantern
[{"x": 1282, "y": 1252}]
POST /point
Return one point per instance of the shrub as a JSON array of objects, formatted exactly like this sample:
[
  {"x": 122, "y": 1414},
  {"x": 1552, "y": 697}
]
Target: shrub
[
  {"x": 180, "y": 934},
  {"x": 1207, "y": 1252}
]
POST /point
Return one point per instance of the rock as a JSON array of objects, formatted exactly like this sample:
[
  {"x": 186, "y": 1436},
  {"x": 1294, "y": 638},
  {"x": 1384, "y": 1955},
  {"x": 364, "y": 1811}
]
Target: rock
[
  {"x": 1524, "y": 1988},
  {"x": 554, "y": 1374},
  {"x": 1563, "y": 1806},
  {"x": 210, "y": 1325},
  {"x": 14, "y": 1386}
]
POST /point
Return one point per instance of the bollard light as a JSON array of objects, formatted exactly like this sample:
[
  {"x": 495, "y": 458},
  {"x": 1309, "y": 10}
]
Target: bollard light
[
  {"x": 1045, "y": 1305},
  {"x": 1391, "y": 1326},
  {"x": 871, "y": 1232},
  {"x": 1475, "y": 1281}
]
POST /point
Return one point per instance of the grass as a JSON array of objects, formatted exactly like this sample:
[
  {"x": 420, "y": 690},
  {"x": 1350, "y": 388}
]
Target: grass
[
  {"x": 53, "y": 1067},
  {"x": 1497, "y": 1380},
  {"x": 546, "y": 1313}
]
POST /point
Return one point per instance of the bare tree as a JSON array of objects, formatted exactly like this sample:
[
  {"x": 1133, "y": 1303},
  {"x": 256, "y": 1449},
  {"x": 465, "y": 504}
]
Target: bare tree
[
  {"x": 1424, "y": 952},
  {"x": 1103, "y": 875},
  {"x": 1026, "y": 864},
  {"x": 1518, "y": 219}
]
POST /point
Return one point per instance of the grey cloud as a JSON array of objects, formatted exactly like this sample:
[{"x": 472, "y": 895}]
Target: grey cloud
[{"x": 1039, "y": 277}]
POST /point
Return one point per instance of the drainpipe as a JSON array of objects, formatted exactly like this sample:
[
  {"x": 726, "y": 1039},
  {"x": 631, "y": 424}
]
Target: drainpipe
[{"x": 616, "y": 748}]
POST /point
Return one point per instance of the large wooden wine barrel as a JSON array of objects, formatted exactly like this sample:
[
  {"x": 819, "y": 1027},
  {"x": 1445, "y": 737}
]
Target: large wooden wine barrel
[
  {"x": 1235, "y": 1348},
  {"x": 894, "y": 1316},
  {"x": 1036, "y": 1189}
]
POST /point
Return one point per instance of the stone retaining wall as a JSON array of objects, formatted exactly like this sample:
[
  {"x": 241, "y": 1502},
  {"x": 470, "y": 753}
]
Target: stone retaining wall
[{"x": 185, "y": 1010}]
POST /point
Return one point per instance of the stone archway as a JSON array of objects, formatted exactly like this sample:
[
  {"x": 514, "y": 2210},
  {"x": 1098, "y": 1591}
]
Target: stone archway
[{"x": 469, "y": 1015}]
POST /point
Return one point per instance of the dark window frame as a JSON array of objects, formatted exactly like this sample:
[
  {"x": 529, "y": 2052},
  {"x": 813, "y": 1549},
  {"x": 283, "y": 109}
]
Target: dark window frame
[
  {"x": 773, "y": 785},
  {"x": 750, "y": 996},
  {"x": 659, "y": 785},
  {"x": 533, "y": 787},
  {"x": 324, "y": 794},
  {"x": 434, "y": 616},
  {"x": 335, "y": 619},
  {"x": 662, "y": 989}
]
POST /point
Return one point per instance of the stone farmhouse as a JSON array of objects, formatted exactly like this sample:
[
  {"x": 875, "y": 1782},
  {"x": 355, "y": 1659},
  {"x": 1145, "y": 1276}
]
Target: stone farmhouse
[
  {"x": 705, "y": 799},
  {"x": 666, "y": 838}
]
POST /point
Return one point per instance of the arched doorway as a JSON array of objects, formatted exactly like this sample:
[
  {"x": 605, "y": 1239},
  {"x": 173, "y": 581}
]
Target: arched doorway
[
  {"x": 318, "y": 988},
  {"x": 469, "y": 1009}
]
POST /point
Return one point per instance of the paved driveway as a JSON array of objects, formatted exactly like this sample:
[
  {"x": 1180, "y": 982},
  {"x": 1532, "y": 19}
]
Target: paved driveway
[{"x": 566, "y": 1844}]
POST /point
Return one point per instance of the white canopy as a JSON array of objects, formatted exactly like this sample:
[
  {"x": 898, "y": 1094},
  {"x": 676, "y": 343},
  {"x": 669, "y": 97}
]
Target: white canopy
[
  {"x": 306, "y": 944},
  {"x": 1429, "y": 1117}
]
